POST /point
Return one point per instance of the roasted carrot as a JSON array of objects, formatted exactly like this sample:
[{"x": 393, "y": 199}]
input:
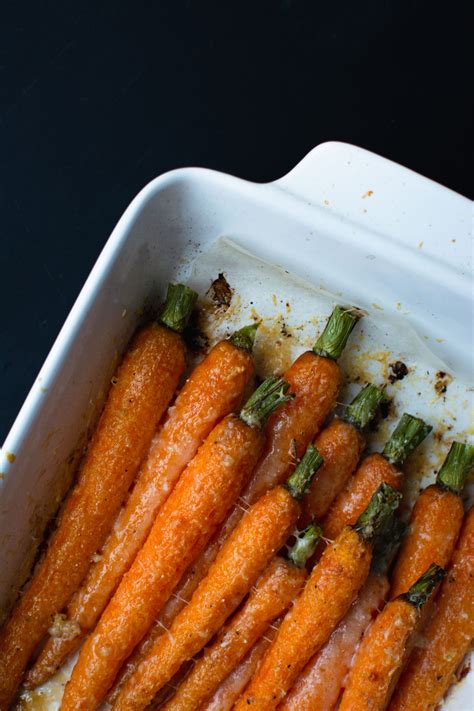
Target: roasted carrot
[
  {"x": 198, "y": 502},
  {"x": 260, "y": 533},
  {"x": 385, "y": 648},
  {"x": 448, "y": 636},
  {"x": 143, "y": 386},
  {"x": 435, "y": 521},
  {"x": 340, "y": 445},
  {"x": 229, "y": 691},
  {"x": 212, "y": 391},
  {"x": 277, "y": 587},
  {"x": 327, "y": 596},
  {"x": 320, "y": 684},
  {"x": 315, "y": 380},
  {"x": 375, "y": 468}
]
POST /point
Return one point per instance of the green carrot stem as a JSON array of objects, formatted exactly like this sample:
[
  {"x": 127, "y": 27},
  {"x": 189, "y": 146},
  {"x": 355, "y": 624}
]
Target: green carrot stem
[
  {"x": 333, "y": 339},
  {"x": 266, "y": 398},
  {"x": 245, "y": 337},
  {"x": 364, "y": 406},
  {"x": 387, "y": 544},
  {"x": 298, "y": 482},
  {"x": 306, "y": 543},
  {"x": 406, "y": 437},
  {"x": 421, "y": 591},
  {"x": 372, "y": 522},
  {"x": 456, "y": 467},
  {"x": 178, "y": 307}
]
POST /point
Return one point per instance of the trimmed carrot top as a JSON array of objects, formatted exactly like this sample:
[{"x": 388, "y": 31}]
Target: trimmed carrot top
[
  {"x": 406, "y": 437},
  {"x": 179, "y": 304},
  {"x": 456, "y": 467},
  {"x": 364, "y": 406},
  {"x": 333, "y": 339}
]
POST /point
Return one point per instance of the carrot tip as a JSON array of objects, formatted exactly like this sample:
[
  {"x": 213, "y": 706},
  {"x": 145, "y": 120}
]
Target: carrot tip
[{"x": 178, "y": 307}]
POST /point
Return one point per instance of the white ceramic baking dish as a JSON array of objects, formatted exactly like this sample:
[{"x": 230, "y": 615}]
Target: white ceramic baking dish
[{"x": 343, "y": 218}]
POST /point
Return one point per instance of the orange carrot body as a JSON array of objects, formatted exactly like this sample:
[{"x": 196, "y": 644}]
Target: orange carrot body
[
  {"x": 315, "y": 381},
  {"x": 280, "y": 583},
  {"x": 447, "y": 638},
  {"x": 230, "y": 689},
  {"x": 434, "y": 527},
  {"x": 340, "y": 444},
  {"x": 319, "y": 686},
  {"x": 239, "y": 563},
  {"x": 213, "y": 390},
  {"x": 145, "y": 383},
  {"x": 354, "y": 498},
  {"x": 326, "y": 598},
  {"x": 380, "y": 658},
  {"x": 200, "y": 499}
]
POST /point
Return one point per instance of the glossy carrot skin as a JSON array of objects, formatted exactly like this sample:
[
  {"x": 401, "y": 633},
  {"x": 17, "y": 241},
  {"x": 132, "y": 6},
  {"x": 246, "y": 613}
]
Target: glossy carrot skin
[
  {"x": 448, "y": 636},
  {"x": 279, "y": 584},
  {"x": 340, "y": 445},
  {"x": 200, "y": 499},
  {"x": 316, "y": 382},
  {"x": 213, "y": 390},
  {"x": 143, "y": 387},
  {"x": 350, "y": 503},
  {"x": 319, "y": 685},
  {"x": 239, "y": 563},
  {"x": 326, "y": 598},
  {"x": 380, "y": 658},
  {"x": 230, "y": 689},
  {"x": 434, "y": 527}
]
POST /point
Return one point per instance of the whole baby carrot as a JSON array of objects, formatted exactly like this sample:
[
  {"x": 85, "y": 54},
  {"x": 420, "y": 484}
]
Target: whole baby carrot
[
  {"x": 198, "y": 502},
  {"x": 431, "y": 668},
  {"x": 277, "y": 587},
  {"x": 315, "y": 379},
  {"x": 260, "y": 533},
  {"x": 320, "y": 684},
  {"x": 144, "y": 385},
  {"x": 340, "y": 445},
  {"x": 375, "y": 468},
  {"x": 435, "y": 521},
  {"x": 385, "y": 648},
  {"x": 327, "y": 596},
  {"x": 213, "y": 390}
]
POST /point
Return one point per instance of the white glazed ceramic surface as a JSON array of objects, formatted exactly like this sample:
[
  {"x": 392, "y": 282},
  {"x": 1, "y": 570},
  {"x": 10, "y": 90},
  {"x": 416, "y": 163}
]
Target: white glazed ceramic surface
[{"x": 343, "y": 218}]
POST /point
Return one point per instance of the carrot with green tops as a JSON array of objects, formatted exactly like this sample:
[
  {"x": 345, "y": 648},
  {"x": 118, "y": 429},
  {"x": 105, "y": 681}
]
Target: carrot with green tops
[
  {"x": 144, "y": 385},
  {"x": 278, "y": 586},
  {"x": 213, "y": 390},
  {"x": 342, "y": 441},
  {"x": 315, "y": 379},
  {"x": 199, "y": 501},
  {"x": 435, "y": 521},
  {"x": 431, "y": 668},
  {"x": 320, "y": 684},
  {"x": 386, "y": 646},
  {"x": 260, "y": 533},
  {"x": 375, "y": 468},
  {"x": 340, "y": 445},
  {"x": 327, "y": 596}
]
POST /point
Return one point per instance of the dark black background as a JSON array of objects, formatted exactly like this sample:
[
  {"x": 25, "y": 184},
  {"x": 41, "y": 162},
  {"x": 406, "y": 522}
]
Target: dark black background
[{"x": 97, "y": 98}]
